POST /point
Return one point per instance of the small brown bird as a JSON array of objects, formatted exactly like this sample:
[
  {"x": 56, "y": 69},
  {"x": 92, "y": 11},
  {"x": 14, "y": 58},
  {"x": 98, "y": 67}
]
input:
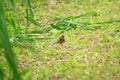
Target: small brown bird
[{"x": 61, "y": 39}]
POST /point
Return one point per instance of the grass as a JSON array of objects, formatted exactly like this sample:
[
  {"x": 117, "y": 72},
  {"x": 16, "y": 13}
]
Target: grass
[{"x": 89, "y": 53}]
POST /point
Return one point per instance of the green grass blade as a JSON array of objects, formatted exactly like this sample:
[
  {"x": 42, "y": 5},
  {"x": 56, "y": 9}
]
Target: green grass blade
[
  {"x": 31, "y": 39},
  {"x": 6, "y": 44},
  {"x": 12, "y": 23},
  {"x": 81, "y": 15},
  {"x": 36, "y": 38},
  {"x": 32, "y": 21},
  {"x": 108, "y": 22},
  {"x": 1, "y": 73},
  {"x": 42, "y": 31},
  {"x": 56, "y": 27},
  {"x": 30, "y": 8}
]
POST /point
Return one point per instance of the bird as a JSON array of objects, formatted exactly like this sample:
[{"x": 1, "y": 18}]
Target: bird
[{"x": 61, "y": 39}]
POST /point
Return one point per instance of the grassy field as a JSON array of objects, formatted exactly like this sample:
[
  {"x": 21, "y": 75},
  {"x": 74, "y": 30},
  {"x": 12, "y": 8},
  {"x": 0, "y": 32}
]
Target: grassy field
[{"x": 90, "y": 52}]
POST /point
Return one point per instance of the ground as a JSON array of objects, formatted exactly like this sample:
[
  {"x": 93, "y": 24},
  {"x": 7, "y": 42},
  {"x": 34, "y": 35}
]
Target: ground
[{"x": 87, "y": 54}]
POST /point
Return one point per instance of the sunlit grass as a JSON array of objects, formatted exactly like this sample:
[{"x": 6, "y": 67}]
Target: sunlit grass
[{"x": 86, "y": 54}]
